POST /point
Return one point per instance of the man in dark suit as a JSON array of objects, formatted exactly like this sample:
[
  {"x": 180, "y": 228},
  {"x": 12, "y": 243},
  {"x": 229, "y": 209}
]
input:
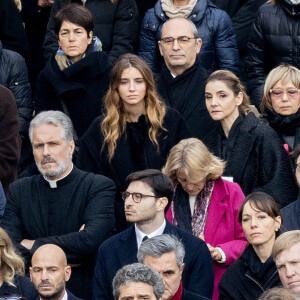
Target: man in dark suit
[
  {"x": 165, "y": 254},
  {"x": 63, "y": 205},
  {"x": 146, "y": 199},
  {"x": 49, "y": 273}
]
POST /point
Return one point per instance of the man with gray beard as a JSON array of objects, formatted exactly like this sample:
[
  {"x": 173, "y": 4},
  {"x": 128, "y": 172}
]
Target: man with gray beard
[{"x": 63, "y": 206}]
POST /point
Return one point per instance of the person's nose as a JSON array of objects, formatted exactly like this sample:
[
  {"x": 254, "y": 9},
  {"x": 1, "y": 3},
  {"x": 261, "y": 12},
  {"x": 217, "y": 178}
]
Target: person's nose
[
  {"x": 132, "y": 87},
  {"x": 284, "y": 96},
  {"x": 46, "y": 150},
  {"x": 44, "y": 275},
  {"x": 253, "y": 222},
  {"x": 214, "y": 101},
  {"x": 176, "y": 45},
  {"x": 189, "y": 186},
  {"x": 289, "y": 271},
  {"x": 71, "y": 36}
]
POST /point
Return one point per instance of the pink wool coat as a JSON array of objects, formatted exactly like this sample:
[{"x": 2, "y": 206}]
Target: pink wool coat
[{"x": 222, "y": 228}]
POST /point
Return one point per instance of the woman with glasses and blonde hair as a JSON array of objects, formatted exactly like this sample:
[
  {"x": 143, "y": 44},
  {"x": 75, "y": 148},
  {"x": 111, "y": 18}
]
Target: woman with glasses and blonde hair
[
  {"x": 136, "y": 131},
  {"x": 254, "y": 155},
  {"x": 281, "y": 102},
  {"x": 12, "y": 281},
  {"x": 204, "y": 204}
]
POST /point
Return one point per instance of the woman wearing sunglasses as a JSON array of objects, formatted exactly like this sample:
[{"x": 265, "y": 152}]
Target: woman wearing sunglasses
[{"x": 281, "y": 102}]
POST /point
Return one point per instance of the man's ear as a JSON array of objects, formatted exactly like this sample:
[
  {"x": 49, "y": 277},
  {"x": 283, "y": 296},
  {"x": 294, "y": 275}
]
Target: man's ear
[
  {"x": 68, "y": 272},
  {"x": 72, "y": 147},
  {"x": 161, "y": 203},
  {"x": 181, "y": 268},
  {"x": 160, "y": 48},
  {"x": 30, "y": 271},
  {"x": 198, "y": 45}
]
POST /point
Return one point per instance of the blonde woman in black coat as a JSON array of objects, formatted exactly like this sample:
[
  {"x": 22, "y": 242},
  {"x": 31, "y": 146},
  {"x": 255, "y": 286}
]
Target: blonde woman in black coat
[{"x": 255, "y": 157}]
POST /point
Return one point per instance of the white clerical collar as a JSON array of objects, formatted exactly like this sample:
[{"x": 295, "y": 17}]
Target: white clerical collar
[
  {"x": 53, "y": 183},
  {"x": 65, "y": 297},
  {"x": 140, "y": 235},
  {"x": 174, "y": 76}
]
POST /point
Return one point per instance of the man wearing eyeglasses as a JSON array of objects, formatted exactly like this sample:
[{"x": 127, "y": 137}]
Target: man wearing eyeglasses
[
  {"x": 146, "y": 200},
  {"x": 291, "y": 212},
  {"x": 182, "y": 79}
]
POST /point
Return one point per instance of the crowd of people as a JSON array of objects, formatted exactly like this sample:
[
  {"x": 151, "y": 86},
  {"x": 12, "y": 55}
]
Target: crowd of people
[{"x": 150, "y": 149}]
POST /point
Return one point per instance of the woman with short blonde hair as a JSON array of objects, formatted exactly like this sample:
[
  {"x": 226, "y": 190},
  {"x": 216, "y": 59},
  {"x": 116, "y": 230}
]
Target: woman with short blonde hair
[
  {"x": 281, "y": 104},
  {"x": 204, "y": 204}
]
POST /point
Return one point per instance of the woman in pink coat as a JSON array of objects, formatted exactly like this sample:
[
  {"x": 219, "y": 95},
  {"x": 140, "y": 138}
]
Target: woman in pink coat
[{"x": 204, "y": 204}]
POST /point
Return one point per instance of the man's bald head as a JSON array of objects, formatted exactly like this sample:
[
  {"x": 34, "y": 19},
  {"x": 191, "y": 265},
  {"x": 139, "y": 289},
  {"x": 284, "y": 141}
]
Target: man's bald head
[
  {"x": 50, "y": 250},
  {"x": 49, "y": 271}
]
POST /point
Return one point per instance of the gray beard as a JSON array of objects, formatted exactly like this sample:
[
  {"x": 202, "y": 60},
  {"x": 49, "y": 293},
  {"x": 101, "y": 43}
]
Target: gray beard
[{"x": 52, "y": 175}]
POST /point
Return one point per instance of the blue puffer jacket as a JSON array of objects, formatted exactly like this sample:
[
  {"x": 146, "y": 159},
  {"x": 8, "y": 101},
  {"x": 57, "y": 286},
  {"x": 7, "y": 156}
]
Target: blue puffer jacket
[
  {"x": 14, "y": 76},
  {"x": 219, "y": 48}
]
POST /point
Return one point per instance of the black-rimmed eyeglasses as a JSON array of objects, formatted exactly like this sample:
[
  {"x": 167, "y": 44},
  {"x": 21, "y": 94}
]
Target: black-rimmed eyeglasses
[
  {"x": 181, "y": 40},
  {"x": 136, "y": 197}
]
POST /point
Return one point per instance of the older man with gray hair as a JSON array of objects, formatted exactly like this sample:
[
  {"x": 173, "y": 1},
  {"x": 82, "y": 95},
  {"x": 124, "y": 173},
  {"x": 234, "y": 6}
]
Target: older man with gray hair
[
  {"x": 63, "y": 206},
  {"x": 137, "y": 281},
  {"x": 165, "y": 254}
]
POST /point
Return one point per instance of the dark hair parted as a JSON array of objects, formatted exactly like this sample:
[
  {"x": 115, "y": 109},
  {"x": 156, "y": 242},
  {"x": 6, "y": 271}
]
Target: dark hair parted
[
  {"x": 263, "y": 202},
  {"x": 114, "y": 123},
  {"x": 160, "y": 183},
  {"x": 234, "y": 84},
  {"x": 76, "y": 14}
]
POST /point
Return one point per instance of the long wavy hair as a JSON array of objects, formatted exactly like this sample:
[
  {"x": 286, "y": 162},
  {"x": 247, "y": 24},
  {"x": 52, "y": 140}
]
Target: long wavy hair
[
  {"x": 114, "y": 123},
  {"x": 11, "y": 263}
]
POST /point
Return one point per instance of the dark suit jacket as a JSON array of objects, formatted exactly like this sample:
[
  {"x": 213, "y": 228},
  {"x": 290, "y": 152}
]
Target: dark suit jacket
[
  {"x": 191, "y": 296},
  {"x": 71, "y": 296},
  {"x": 121, "y": 250}
]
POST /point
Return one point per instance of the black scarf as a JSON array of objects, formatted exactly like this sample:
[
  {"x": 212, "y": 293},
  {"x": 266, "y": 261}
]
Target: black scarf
[
  {"x": 285, "y": 125},
  {"x": 261, "y": 271}
]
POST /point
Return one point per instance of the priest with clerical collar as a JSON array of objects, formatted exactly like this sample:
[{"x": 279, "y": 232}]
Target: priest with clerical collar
[{"x": 63, "y": 205}]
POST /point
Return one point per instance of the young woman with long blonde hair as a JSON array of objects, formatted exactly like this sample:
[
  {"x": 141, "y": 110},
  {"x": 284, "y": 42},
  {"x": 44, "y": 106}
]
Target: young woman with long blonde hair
[{"x": 136, "y": 131}]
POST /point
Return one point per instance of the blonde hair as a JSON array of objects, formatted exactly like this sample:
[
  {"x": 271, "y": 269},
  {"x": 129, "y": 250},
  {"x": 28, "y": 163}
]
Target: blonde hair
[
  {"x": 193, "y": 157},
  {"x": 285, "y": 241},
  {"x": 283, "y": 73},
  {"x": 18, "y": 4},
  {"x": 277, "y": 293},
  {"x": 235, "y": 85},
  {"x": 114, "y": 123},
  {"x": 11, "y": 263}
]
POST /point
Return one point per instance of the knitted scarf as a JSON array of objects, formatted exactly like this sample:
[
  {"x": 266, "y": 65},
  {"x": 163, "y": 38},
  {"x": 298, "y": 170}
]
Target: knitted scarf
[{"x": 173, "y": 11}]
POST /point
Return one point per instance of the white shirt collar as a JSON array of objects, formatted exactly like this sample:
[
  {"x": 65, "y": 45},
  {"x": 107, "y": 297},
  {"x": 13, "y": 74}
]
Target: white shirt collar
[
  {"x": 140, "y": 235},
  {"x": 53, "y": 183},
  {"x": 65, "y": 297}
]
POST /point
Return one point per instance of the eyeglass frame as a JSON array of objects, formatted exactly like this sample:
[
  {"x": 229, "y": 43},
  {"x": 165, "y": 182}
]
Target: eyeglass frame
[
  {"x": 298, "y": 167},
  {"x": 284, "y": 92},
  {"x": 133, "y": 197},
  {"x": 163, "y": 40}
]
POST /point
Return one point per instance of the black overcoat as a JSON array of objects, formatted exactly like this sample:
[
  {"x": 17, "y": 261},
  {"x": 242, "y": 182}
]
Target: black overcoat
[
  {"x": 134, "y": 152},
  {"x": 258, "y": 161},
  {"x": 81, "y": 85}
]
